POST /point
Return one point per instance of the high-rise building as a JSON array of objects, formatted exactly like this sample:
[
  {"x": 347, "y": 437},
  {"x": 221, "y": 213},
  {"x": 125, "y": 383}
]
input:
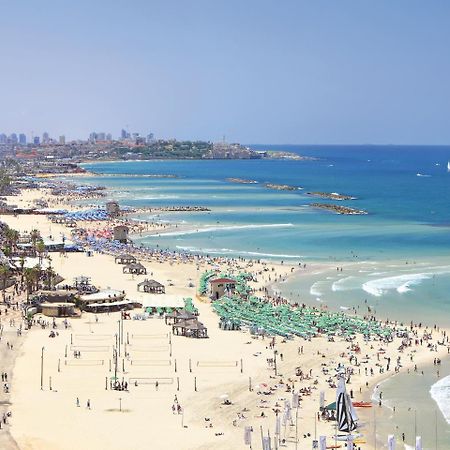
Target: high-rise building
[
  {"x": 13, "y": 138},
  {"x": 62, "y": 140},
  {"x": 123, "y": 134},
  {"x": 150, "y": 138},
  {"x": 22, "y": 139},
  {"x": 100, "y": 136},
  {"x": 93, "y": 137},
  {"x": 36, "y": 140},
  {"x": 45, "y": 138},
  {"x": 109, "y": 137},
  {"x": 3, "y": 138}
]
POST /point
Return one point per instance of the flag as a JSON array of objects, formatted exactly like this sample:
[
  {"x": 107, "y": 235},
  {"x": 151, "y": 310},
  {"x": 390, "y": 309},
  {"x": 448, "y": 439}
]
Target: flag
[
  {"x": 322, "y": 400},
  {"x": 323, "y": 443},
  {"x": 248, "y": 436},
  {"x": 278, "y": 426},
  {"x": 418, "y": 442},
  {"x": 349, "y": 442},
  {"x": 391, "y": 442}
]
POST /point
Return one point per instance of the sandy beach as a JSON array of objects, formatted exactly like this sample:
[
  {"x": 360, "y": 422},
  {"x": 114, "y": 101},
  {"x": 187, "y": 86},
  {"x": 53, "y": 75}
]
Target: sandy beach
[{"x": 163, "y": 370}]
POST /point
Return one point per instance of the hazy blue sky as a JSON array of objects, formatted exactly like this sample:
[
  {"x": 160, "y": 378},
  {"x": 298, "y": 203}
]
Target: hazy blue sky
[{"x": 257, "y": 71}]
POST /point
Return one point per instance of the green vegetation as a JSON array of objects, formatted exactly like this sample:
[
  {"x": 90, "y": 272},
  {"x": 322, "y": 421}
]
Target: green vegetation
[{"x": 166, "y": 150}]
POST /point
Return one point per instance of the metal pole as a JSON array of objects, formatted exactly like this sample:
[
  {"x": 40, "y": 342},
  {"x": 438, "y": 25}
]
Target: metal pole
[
  {"x": 275, "y": 361},
  {"x": 42, "y": 369},
  {"x": 195, "y": 384},
  {"x": 250, "y": 384},
  {"x": 242, "y": 367},
  {"x": 106, "y": 383},
  {"x": 59, "y": 365},
  {"x": 50, "y": 382},
  {"x": 175, "y": 365},
  {"x": 190, "y": 365},
  {"x": 178, "y": 383}
]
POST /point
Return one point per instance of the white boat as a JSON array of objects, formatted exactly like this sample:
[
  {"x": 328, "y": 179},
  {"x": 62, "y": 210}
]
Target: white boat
[{"x": 448, "y": 166}]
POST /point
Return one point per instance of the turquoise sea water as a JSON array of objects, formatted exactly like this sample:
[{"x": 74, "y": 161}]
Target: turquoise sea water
[{"x": 396, "y": 259}]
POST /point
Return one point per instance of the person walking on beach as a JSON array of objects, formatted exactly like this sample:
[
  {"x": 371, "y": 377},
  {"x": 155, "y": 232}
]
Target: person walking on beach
[
  {"x": 78, "y": 402},
  {"x": 156, "y": 385},
  {"x": 88, "y": 404}
]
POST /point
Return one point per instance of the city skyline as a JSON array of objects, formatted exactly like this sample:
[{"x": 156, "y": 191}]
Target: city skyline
[{"x": 256, "y": 72}]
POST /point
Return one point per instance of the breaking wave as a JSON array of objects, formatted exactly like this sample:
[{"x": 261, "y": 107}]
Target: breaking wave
[{"x": 440, "y": 392}]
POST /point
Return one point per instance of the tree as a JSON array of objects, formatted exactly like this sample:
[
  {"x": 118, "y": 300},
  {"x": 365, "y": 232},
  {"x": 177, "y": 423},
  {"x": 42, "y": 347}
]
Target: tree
[
  {"x": 4, "y": 276},
  {"x": 35, "y": 236},
  {"x": 32, "y": 276},
  {"x": 40, "y": 248}
]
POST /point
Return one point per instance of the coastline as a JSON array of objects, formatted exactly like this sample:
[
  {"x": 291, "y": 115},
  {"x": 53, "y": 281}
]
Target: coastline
[{"x": 108, "y": 276}]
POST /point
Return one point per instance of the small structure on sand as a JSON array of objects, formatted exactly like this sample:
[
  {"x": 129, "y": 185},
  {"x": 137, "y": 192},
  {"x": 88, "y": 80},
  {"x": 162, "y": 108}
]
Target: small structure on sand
[
  {"x": 221, "y": 286},
  {"x": 58, "y": 309},
  {"x": 151, "y": 286},
  {"x": 135, "y": 269},
  {"x": 120, "y": 233},
  {"x": 125, "y": 258},
  {"x": 190, "y": 328},
  {"x": 112, "y": 208}
]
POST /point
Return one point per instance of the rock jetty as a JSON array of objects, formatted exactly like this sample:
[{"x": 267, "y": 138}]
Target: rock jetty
[
  {"x": 331, "y": 195},
  {"x": 338, "y": 209},
  {"x": 241, "y": 181},
  {"x": 281, "y": 187},
  {"x": 172, "y": 209}
]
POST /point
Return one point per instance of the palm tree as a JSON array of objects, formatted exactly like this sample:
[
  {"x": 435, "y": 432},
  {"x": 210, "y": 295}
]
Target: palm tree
[
  {"x": 40, "y": 248},
  {"x": 32, "y": 276},
  {"x": 11, "y": 237},
  {"x": 22, "y": 264},
  {"x": 4, "y": 275},
  {"x": 34, "y": 235}
]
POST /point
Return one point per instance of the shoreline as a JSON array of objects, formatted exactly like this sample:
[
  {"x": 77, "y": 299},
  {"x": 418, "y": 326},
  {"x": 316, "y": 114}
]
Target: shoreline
[{"x": 290, "y": 351}]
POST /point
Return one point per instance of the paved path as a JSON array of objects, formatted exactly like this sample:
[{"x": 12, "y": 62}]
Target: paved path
[{"x": 7, "y": 359}]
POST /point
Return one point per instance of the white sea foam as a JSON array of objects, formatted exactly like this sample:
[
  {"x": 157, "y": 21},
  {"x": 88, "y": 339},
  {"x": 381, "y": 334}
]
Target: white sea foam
[
  {"x": 314, "y": 289},
  {"x": 221, "y": 251},
  {"x": 400, "y": 283},
  {"x": 343, "y": 284},
  {"x": 440, "y": 392},
  {"x": 226, "y": 228}
]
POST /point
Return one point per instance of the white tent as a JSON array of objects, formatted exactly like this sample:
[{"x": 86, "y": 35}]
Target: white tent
[{"x": 158, "y": 300}]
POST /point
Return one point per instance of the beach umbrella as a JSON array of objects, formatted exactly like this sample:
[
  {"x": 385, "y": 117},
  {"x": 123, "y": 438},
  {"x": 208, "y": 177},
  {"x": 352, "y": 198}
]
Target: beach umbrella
[
  {"x": 322, "y": 443},
  {"x": 223, "y": 396}
]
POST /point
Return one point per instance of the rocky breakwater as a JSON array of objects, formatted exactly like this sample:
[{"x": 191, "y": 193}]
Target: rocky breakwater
[
  {"x": 281, "y": 187},
  {"x": 241, "y": 181},
  {"x": 331, "y": 195},
  {"x": 338, "y": 209},
  {"x": 172, "y": 209}
]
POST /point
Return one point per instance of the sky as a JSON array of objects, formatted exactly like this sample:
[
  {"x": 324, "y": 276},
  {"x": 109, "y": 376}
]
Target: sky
[{"x": 254, "y": 71}]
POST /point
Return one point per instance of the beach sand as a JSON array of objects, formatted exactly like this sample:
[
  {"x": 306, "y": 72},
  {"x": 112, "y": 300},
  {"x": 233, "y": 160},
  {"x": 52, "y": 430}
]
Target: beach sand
[{"x": 50, "y": 419}]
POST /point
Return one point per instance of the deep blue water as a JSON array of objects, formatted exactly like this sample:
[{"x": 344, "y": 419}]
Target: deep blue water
[{"x": 409, "y": 215}]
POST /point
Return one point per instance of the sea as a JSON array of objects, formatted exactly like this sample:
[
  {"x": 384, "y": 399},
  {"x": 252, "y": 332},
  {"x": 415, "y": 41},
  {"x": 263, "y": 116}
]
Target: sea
[{"x": 394, "y": 260}]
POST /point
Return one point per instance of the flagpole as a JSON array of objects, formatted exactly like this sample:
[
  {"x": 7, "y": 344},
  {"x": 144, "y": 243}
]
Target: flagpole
[
  {"x": 374, "y": 429},
  {"x": 436, "y": 428}
]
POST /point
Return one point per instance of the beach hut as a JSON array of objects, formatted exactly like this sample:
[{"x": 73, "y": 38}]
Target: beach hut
[
  {"x": 135, "y": 269},
  {"x": 125, "y": 258},
  {"x": 112, "y": 208},
  {"x": 62, "y": 309},
  {"x": 190, "y": 328},
  {"x": 221, "y": 286},
  {"x": 151, "y": 286},
  {"x": 120, "y": 233}
]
